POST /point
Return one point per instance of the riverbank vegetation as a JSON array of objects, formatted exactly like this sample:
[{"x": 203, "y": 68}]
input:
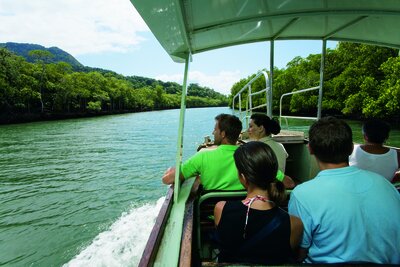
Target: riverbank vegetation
[
  {"x": 45, "y": 89},
  {"x": 361, "y": 81}
]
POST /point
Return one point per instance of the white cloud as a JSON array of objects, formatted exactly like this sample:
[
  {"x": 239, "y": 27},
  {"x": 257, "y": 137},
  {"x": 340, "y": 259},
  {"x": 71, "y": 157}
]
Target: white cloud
[
  {"x": 220, "y": 82},
  {"x": 89, "y": 27},
  {"x": 77, "y": 26}
]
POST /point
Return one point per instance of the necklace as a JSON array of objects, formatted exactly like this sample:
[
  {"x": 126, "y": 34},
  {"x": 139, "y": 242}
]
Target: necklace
[{"x": 248, "y": 202}]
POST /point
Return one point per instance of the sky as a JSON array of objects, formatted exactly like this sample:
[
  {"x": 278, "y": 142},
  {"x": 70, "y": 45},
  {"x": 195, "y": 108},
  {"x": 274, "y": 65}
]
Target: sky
[{"x": 112, "y": 35}]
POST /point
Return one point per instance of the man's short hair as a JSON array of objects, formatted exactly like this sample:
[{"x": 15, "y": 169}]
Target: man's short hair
[
  {"x": 377, "y": 131},
  {"x": 331, "y": 140},
  {"x": 231, "y": 125}
]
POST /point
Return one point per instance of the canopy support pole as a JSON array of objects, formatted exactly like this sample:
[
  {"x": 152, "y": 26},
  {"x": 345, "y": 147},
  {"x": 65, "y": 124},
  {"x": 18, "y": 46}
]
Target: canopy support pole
[
  {"x": 321, "y": 79},
  {"x": 271, "y": 77},
  {"x": 179, "y": 150}
]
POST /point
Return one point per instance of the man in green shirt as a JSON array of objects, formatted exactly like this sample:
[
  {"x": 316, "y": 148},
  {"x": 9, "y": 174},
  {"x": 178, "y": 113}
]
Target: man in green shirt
[{"x": 216, "y": 167}]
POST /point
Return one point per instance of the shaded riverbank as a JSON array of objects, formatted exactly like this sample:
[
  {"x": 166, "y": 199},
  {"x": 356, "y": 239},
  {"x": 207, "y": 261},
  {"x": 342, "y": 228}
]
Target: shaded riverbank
[{"x": 15, "y": 118}]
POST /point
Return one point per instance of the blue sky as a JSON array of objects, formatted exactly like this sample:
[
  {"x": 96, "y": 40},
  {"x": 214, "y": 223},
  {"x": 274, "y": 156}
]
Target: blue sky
[{"x": 111, "y": 35}]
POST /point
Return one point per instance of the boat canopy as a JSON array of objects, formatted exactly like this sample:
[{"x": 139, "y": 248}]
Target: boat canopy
[{"x": 191, "y": 26}]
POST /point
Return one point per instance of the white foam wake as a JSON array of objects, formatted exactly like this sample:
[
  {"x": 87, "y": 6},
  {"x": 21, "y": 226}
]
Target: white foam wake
[{"x": 123, "y": 243}]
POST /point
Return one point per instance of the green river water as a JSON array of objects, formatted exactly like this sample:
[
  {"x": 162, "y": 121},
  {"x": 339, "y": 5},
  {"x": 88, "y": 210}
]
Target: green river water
[{"x": 85, "y": 192}]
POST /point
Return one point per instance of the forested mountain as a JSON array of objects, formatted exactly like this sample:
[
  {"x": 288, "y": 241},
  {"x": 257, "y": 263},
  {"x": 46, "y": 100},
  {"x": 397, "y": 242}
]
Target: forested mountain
[
  {"x": 58, "y": 54},
  {"x": 361, "y": 81},
  {"x": 47, "y": 89}
]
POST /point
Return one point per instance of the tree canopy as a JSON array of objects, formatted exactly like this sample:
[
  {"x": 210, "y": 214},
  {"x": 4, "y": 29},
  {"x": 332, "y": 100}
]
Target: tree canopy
[
  {"x": 54, "y": 88},
  {"x": 361, "y": 81}
]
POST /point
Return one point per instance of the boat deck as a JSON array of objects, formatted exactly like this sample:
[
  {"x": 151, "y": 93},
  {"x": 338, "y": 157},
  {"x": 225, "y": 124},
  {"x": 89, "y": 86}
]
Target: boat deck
[
  {"x": 289, "y": 137},
  {"x": 284, "y": 137}
]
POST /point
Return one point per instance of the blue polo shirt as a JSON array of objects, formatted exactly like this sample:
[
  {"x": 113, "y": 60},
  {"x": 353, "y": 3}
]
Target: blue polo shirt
[{"x": 349, "y": 215}]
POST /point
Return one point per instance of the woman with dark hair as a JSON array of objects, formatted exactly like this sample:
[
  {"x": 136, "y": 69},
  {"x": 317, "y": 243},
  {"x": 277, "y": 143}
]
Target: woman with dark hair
[
  {"x": 255, "y": 229},
  {"x": 373, "y": 155},
  {"x": 260, "y": 129}
]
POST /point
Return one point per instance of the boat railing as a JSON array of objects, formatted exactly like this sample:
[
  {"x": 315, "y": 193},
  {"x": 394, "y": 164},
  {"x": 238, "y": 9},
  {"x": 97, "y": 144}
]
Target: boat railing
[
  {"x": 244, "y": 114},
  {"x": 295, "y": 117},
  {"x": 153, "y": 243},
  {"x": 249, "y": 103}
]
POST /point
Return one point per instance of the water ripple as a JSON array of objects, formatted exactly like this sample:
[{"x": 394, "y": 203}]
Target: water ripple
[{"x": 65, "y": 182}]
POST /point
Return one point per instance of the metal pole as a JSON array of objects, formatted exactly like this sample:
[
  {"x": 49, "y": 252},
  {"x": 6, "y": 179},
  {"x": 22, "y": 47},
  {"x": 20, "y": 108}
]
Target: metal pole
[
  {"x": 240, "y": 106},
  {"x": 321, "y": 79},
  {"x": 271, "y": 75},
  {"x": 179, "y": 150},
  {"x": 250, "y": 98},
  {"x": 250, "y": 101}
]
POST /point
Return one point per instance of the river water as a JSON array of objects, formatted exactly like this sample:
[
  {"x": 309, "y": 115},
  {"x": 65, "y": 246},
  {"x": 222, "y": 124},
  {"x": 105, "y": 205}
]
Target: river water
[{"x": 85, "y": 192}]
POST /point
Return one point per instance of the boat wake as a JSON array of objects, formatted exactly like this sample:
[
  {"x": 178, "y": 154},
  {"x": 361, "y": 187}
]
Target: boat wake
[{"x": 123, "y": 243}]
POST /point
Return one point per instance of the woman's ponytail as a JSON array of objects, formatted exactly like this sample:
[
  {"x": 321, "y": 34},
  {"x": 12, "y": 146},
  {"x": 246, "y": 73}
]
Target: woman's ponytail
[{"x": 277, "y": 192}]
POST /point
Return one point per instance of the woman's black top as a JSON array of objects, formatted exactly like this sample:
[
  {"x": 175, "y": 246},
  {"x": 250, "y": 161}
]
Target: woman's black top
[{"x": 267, "y": 239}]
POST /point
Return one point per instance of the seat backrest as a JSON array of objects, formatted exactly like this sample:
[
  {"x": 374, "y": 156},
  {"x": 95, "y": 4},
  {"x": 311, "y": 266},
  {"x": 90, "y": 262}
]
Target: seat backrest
[{"x": 205, "y": 217}]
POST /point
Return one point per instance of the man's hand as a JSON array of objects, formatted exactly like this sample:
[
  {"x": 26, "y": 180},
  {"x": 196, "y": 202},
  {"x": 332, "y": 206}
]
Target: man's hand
[
  {"x": 302, "y": 254},
  {"x": 288, "y": 182},
  {"x": 169, "y": 176}
]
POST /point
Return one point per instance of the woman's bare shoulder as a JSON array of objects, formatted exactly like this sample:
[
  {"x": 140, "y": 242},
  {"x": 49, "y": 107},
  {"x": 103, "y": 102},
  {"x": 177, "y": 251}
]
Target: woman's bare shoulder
[{"x": 218, "y": 211}]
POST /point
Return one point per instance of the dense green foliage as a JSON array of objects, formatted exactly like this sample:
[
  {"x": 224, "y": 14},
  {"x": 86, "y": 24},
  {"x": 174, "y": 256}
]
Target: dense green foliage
[
  {"x": 46, "y": 87},
  {"x": 194, "y": 89},
  {"x": 361, "y": 81}
]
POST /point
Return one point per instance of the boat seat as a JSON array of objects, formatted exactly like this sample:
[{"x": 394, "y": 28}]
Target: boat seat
[{"x": 205, "y": 218}]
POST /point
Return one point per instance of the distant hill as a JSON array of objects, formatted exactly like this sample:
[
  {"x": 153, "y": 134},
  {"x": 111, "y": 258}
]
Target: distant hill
[
  {"x": 194, "y": 89},
  {"x": 23, "y": 50}
]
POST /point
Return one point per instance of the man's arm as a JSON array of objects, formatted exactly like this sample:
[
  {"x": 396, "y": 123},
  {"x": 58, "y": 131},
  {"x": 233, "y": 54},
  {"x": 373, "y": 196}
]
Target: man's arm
[
  {"x": 285, "y": 179},
  {"x": 288, "y": 182},
  {"x": 396, "y": 177},
  {"x": 296, "y": 209},
  {"x": 169, "y": 176}
]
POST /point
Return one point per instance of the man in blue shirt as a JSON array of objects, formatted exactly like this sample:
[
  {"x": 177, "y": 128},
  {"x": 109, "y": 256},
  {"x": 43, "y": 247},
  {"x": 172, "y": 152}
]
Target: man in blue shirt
[{"x": 349, "y": 215}]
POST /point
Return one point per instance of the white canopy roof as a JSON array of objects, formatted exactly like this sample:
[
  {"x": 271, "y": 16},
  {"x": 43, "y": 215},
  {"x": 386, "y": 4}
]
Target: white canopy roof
[{"x": 193, "y": 26}]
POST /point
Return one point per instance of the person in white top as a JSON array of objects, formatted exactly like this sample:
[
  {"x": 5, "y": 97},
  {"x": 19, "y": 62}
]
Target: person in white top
[
  {"x": 260, "y": 129},
  {"x": 373, "y": 155}
]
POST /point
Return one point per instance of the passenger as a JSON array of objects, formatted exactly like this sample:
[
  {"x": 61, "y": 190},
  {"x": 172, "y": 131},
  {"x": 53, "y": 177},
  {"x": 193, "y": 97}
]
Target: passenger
[
  {"x": 260, "y": 128},
  {"x": 216, "y": 167},
  {"x": 349, "y": 215},
  {"x": 256, "y": 230},
  {"x": 373, "y": 155}
]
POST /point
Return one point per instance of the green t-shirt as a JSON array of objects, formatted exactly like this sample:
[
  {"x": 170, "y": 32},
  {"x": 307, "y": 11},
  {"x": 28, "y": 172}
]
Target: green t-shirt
[{"x": 216, "y": 167}]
